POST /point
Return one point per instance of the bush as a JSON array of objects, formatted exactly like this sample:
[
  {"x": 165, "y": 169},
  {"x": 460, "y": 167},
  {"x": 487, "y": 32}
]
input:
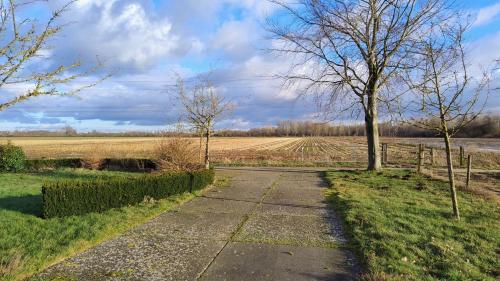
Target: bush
[
  {"x": 12, "y": 158},
  {"x": 177, "y": 154},
  {"x": 77, "y": 196}
]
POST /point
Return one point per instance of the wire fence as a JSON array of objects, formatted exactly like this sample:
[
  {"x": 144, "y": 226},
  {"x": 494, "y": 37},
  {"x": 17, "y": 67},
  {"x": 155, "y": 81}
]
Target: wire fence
[{"x": 392, "y": 154}]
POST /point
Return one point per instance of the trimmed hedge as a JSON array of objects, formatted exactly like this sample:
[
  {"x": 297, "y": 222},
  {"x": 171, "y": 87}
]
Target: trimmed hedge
[
  {"x": 77, "y": 196},
  {"x": 12, "y": 158},
  {"x": 110, "y": 164},
  {"x": 40, "y": 164},
  {"x": 128, "y": 164}
]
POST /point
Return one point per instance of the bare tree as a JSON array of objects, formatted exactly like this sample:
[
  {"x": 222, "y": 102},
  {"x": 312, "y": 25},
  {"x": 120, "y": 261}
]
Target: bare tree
[
  {"x": 353, "y": 48},
  {"x": 203, "y": 106},
  {"x": 69, "y": 131},
  {"x": 447, "y": 102},
  {"x": 23, "y": 40}
]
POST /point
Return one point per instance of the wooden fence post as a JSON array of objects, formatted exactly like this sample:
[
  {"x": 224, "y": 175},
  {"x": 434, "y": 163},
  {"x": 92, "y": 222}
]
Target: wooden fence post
[
  {"x": 469, "y": 168},
  {"x": 462, "y": 156},
  {"x": 302, "y": 149},
  {"x": 420, "y": 158}
]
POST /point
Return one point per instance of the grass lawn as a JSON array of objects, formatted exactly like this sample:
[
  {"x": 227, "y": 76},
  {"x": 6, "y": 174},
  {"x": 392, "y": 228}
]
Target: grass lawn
[
  {"x": 29, "y": 243},
  {"x": 401, "y": 226}
]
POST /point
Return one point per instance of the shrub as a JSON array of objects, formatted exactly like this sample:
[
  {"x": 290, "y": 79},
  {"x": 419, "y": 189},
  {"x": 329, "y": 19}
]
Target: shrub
[
  {"x": 177, "y": 154},
  {"x": 12, "y": 158},
  {"x": 77, "y": 196}
]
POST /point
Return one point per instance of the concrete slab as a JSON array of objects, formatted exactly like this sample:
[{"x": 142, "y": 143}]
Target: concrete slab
[
  {"x": 249, "y": 193},
  {"x": 296, "y": 196},
  {"x": 315, "y": 184},
  {"x": 215, "y": 205},
  {"x": 261, "y": 262},
  {"x": 293, "y": 210},
  {"x": 262, "y": 176},
  {"x": 139, "y": 258},
  {"x": 301, "y": 177},
  {"x": 288, "y": 230},
  {"x": 201, "y": 225}
]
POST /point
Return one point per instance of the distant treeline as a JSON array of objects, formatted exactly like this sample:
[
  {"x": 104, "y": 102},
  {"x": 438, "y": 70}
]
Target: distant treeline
[
  {"x": 71, "y": 132},
  {"x": 482, "y": 127}
]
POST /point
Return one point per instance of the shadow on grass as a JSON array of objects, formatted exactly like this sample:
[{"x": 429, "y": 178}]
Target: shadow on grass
[{"x": 27, "y": 204}]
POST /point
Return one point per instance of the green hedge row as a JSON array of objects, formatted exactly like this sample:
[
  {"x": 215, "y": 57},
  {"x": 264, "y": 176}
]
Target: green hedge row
[
  {"x": 128, "y": 164},
  {"x": 77, "y": 196},
  {"x": 111, "y": 164},
  {"x": 41, "y": 164}
]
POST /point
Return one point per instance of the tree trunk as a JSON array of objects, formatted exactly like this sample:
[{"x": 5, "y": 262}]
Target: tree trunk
[
  {"x": 207, "y": 157},
  {"x": 451, "y": 176},
  {"x": 372, "y": 134}
]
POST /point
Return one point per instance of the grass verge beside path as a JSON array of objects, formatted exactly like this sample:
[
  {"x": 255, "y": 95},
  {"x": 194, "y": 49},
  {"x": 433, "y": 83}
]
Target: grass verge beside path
[
  {"x": 400, "y": 224},
  {"x": 29, "y": 243}
]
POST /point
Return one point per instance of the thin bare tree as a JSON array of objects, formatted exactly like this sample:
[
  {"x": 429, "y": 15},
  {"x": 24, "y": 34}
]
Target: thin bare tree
[
  {"x": 348, "y": 51},
  {"x": 23, "y": 41},
  {"x": 447, "y": 96},
  {"x": 203, "y": 106}
]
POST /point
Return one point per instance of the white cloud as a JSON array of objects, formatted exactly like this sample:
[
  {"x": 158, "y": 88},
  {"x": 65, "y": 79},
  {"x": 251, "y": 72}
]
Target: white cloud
[
  {"x": 238, "y": 39},
  {"x": 484, "y": 51},
  {"x": 486, "y": 15},
  {"x": 122, "y": 33},
  {"x": 258, "y": 8}
]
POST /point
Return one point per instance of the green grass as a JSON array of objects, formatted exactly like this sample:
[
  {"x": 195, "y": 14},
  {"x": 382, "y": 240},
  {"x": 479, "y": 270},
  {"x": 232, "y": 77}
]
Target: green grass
[
  {"x": 401, "y": 226},
  {"x": 29, "y": 243}
]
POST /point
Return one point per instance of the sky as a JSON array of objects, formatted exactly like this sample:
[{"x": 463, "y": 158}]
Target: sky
[{"x": 145, "y": 44}]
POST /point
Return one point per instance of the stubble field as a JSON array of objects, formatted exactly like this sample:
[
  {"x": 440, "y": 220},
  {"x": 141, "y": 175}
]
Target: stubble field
[{"x": 263, "y": 150}]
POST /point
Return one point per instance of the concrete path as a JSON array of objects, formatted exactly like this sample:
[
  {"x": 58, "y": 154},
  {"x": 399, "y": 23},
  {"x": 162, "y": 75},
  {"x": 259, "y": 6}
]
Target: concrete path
[{"x": 270, "y": 224}]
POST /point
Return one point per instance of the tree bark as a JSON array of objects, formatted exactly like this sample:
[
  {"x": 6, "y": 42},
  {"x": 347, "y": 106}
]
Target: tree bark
[
  {"x": 207, "y": 156},
  {"x": 451, "y": 176},
  {"x": 372, "y": 134}
]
